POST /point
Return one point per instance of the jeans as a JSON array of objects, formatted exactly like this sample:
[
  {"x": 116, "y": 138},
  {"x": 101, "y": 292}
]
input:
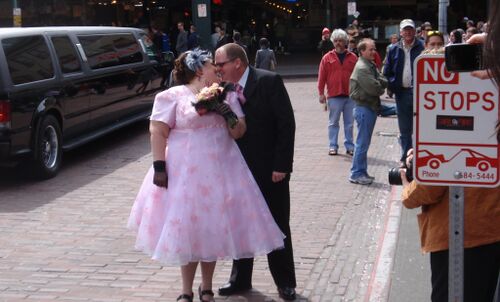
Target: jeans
[
  {"x": 387, "y": 110},
  {"x": 336, "y": 106},
  {"x": 404, "y": 104},
  {"x": 365, "y": 119}
]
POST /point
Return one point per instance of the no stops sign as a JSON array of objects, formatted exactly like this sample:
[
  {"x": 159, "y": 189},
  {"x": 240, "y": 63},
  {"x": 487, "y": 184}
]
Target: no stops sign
[{"x": 455, "y": 138}]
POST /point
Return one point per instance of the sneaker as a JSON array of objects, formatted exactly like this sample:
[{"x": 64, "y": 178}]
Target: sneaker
[
  {"x": 332, "y": 152},
  {"x": 350, "y": 152},
  {"x": 362, "y": 180}
]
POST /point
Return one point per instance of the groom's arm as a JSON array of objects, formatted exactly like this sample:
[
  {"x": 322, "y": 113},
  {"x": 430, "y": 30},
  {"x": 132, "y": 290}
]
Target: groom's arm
[{"x": 284, "y": 126}]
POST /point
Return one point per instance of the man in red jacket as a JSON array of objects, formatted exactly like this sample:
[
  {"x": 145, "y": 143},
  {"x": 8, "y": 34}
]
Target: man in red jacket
[{"x": 334, "y": 72}]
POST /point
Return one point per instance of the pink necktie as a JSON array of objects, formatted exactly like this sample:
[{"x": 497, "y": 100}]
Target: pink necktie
[{"x": 239, "y": 91}]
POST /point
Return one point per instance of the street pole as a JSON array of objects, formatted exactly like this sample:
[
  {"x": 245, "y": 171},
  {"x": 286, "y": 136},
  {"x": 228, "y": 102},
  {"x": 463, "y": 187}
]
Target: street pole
[
  {"x": 456, "y": 246},
  {"x": 16, "y": 14},
  {"x": 328, "y": 15},
  {"x": 201, "y": 14},
  {"x": 443, "y": 6}
]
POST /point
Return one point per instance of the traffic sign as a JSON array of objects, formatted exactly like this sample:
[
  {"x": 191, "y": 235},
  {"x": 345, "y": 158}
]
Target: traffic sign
[{"x": 455, "y": 139}]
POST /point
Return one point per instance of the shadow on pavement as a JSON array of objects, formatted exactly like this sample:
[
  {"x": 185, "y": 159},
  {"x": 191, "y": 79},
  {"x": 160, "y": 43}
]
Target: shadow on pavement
[{"x": 80, "y": 167}]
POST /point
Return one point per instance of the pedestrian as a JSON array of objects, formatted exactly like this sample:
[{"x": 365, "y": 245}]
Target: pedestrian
[
  {"x": 470, "y": 32},
  {"x": 182, "y": 39},
  {"x": 325, "y": 44},
  {"x": 393, "y": 40},
  {"x": 267, "y": 146},
  {"x": 366, "y": 87},
  {"x": 180, "y": 224},
  {"x": 193, "y": 38},
  {"x": 424, "y": 29},
  {"x": 237, "y": 40},
  {"x": 481, "y": 236},
  {"x": 335, "y": 69},
  {"x": 214, "y": 38},
  {"x": 223, "y": 38},
  {"x": 399, "y": 72},
  {"x": 265, "y": 58},
  {"x": 434, "y": 40}
]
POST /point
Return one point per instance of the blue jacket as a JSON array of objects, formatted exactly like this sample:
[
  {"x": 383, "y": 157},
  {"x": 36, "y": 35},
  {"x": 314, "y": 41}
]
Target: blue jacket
[{"x": 393, "y": 68}]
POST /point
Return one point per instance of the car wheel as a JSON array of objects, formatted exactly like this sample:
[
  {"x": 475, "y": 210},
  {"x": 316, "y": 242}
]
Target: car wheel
[
  {"x": 434, "y": 163},
  {"x": 483, "y": 166},
  {"x": 48, "y": 150}
]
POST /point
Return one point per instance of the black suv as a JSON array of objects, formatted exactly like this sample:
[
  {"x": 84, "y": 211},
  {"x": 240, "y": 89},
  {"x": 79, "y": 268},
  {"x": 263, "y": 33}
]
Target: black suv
[{"x": 61, "y": 87}]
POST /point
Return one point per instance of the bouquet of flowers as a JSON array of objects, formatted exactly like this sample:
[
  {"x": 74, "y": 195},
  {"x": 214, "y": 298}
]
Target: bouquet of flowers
[{"x": 212, "y": 99}]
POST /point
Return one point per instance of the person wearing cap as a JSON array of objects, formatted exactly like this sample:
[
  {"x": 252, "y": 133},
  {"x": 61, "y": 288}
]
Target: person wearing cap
[
  {"x": 398, "y": 70},
  {"x": 325, "y": 45}
]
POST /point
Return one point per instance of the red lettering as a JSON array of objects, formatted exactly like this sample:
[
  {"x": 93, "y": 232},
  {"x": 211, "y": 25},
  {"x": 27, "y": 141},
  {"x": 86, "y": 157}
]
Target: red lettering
[
  {"x": 472, "y": 97},
  {"x": 458, "y": 100},
  {"x": 453, "y": 98},
  {"x": 486, "y": 98},
  {"x": 443, "y": 98},
  {"x": 427, "y": 98}
]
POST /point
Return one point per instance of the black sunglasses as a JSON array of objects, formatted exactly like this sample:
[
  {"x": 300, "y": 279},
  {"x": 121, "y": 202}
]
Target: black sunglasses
[{"x": 221, "y": 64}]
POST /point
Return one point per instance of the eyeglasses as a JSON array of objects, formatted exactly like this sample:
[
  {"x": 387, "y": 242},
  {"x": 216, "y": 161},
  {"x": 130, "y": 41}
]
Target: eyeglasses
[
  {"x": 431, "y": 33},
  {"x": 221, "y": 64}
]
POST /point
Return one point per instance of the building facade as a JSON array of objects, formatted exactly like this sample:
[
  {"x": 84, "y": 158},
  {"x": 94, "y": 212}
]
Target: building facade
[{"x": 294, "y": 24}]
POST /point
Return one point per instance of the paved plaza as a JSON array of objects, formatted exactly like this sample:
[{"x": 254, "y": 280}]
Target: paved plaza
[{"x": 65, "y": 239}]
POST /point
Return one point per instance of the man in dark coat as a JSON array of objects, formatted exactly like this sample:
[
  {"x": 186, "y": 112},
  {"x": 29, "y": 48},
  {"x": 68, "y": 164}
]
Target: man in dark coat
[{"x": 267, "y": 147}]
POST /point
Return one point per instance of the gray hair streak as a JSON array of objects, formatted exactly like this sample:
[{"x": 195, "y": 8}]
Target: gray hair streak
[
  {"x": 196, "y": 58},
  {"x": 339, "y": 34}
]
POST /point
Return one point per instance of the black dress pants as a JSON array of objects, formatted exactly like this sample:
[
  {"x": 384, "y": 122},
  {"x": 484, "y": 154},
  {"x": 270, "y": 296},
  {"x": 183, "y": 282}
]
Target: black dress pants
[
  {"x": 481, "y": 271},
  {"x": 281, "y": 264}
]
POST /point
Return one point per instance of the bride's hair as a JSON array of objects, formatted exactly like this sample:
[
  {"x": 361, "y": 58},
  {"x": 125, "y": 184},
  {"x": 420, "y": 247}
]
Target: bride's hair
[{"x": 186, "y": 65}]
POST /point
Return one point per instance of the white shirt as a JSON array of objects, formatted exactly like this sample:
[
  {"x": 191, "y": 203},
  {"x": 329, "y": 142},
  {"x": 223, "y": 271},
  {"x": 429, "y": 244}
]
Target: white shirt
[
  {"x": 243, "y": 80},
  {"x": 407, "y": 80}
]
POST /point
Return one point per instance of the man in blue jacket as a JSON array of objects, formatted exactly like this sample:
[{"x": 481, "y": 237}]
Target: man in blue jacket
[{"x": 399, "y": 72}]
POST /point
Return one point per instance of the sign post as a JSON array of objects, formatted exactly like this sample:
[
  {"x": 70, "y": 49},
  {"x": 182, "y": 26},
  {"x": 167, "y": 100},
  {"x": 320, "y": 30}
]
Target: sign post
[
  {"x": 455, "y": 145},
  {"x": 16, "y": 14}
]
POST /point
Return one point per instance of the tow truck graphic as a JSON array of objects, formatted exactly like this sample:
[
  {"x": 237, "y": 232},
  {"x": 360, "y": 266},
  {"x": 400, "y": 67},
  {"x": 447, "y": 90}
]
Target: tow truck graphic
[{"x": 474, "y": 159}]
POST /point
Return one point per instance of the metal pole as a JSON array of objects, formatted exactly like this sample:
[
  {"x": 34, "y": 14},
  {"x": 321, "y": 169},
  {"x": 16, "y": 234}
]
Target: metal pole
[
  {"x": 456, "y": 247},
  {"x": 16, "y": 14},
  {"x": 443, "y": 6},
  {"x": 328, "y": 15}
]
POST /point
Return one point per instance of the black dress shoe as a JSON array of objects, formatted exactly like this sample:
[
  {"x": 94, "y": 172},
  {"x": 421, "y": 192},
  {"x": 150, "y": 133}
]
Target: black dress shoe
[
  {"x": 287, "y": 293},
  {"x": 230, "y": 288}
]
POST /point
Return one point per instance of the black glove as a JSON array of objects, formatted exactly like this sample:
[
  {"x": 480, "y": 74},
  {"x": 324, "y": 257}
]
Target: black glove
[
  {"x": 223, "y": 109},
  {"x": 160, "y": 177},
  {"x": 228, "y": 114}
]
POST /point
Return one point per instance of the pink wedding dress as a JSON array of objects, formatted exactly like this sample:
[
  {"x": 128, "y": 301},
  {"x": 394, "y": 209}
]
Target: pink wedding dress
[{"x": 213, "y": 208}]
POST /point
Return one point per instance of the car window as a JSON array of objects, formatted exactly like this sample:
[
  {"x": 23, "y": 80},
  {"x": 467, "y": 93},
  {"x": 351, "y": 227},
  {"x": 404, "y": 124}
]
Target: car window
[
  {"x": 110, "y": 50},
  {"x": 28, "y": 59},
  {"x": 66, "y": 54}
]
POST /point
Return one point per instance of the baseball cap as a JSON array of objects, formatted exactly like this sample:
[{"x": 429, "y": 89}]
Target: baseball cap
[
  {"x": 325, "y": 31},
  {"x": 406, "y": 23}
]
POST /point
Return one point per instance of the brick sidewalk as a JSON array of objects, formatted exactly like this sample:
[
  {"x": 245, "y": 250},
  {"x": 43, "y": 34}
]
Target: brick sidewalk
[{"x": 65, "y": 239}]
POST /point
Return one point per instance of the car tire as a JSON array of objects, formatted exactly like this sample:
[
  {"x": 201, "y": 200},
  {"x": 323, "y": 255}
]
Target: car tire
[
  {"x": 483, "y": 166},
  {"x": 48, "y": 151},
  {"x": 434, "y": 164}
]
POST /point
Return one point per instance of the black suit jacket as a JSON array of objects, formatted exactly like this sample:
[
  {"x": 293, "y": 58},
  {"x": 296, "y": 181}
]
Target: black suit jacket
[{"x": 268, "y": 143}]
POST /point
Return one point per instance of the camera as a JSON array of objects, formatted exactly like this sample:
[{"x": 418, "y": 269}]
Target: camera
[
  {"x": 463, "y": 57},
  {"x": 395, "y": 177}
]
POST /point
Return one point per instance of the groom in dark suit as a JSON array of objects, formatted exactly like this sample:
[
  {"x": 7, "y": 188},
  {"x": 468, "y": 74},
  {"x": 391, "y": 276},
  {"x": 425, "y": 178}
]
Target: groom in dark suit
[{"x": 267, "y": 147}]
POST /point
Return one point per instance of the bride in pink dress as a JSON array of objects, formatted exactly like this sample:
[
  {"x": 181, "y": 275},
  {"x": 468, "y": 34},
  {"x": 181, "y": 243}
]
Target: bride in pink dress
[{"x": 199, "y": 202}]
